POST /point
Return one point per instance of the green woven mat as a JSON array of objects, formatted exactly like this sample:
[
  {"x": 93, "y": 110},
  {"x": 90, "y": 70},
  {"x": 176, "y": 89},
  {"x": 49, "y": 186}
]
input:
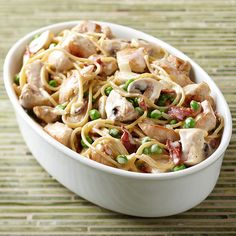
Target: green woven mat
[{"x": 32, "y": 203}]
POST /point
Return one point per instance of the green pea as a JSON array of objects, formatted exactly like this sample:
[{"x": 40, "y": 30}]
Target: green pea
[
  {"x": 155, "y": 149},
  {"x": 108, "y": 90},
  {"x": 53, "y": 83},
  {"x": 172, "y": 122},
  {"x": 114, "y": 133},
  {"x": 146, "y": 150},
  {"x": 89, "y": 139},
  {"x": 189, "y": 123},
  {"x": 130, "y": 100},
  {"x": 155, "y": 114},
  {"x": 94, "y": 114},
  {"x": 136, "y": 102},
  {"x": 127, "y": 83},
  {"x": 61, "y": 106},
  {"x": 194, "y": 105},
  {"x": 145, "y": 139},
  {"x": 122, "y": 159},
  {"x": 139, "y": 110},
  {"x": 17, "y": 79},
  {"x": 180, "y": 167}
]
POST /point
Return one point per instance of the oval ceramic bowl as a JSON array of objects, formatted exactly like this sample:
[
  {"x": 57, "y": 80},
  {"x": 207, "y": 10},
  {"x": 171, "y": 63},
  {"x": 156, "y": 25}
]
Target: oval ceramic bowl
[{"x": 138, "y": 194}]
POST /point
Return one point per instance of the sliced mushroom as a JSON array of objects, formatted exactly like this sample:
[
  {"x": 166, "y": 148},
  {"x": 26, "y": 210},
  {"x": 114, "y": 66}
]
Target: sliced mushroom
[
  {"x": 150, "y": 88},
  {"x": 46, "y": 113},
  {"x": 60, "y": 132},
  {"x": 111, "y": 46},
  {"x": 32, "y": 72},
  {"x": 198, "y": 92},
  {"x": 43, "y": 41},
  {"x": 60, "y": 61},
  {"x": 91, "y": 27},
  {"x": 108, "y": 64},
  {"x": 118, "y": 108},
  {"x": 192, "y": 141},
  {"x": 132, "y": 57},
  {"x": 158, "y": 132},
  {"x": 69, "y": 87},
  {"x": 101, "y": 106},
  {"x": 207, "y": 119},
  {"x": 177, "y": 68},
  {"x": 78, "y": 45},
  {"x": 32, "y": 96}
]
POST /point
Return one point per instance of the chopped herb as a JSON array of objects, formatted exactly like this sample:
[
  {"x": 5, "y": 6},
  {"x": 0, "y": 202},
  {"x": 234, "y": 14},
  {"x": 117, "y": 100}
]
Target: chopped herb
[{"x": 180, "y": 167}]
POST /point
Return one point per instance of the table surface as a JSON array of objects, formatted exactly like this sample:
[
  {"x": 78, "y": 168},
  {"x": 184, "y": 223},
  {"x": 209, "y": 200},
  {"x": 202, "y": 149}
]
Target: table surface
[{"x": 33, "y": 203}]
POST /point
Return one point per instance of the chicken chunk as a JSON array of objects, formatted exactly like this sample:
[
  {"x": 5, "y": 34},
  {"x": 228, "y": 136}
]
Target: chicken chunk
[
  {"x": 114, "y": 45},
  {"x": 32, "y": 96},
  {"x": 78, "y": 45},
  {"x": 118, "y": 108},
  {"x": 32, "y": 72},
  {"x": 46, "y": 113},
  {"x": 177, "y": 68},
  {"x": 207, "y": 119},
  {"x": 60, "y": 132},
  {"x": 112, "y": 148},
  {"x": 158, "y": 132},
  {"x": 198, "y": 92},
  {"x": 132, "y": 57},
  {"x": 60, "y": 61},
  {"x": 41, "y": 42},
  {"x": 91, "y": 27},
  {"x": 108, "y": 64},
  {"x": 69, "y": 87},
  {"x": 192, "y": 141},
  {"x": 151, "y": 49}
]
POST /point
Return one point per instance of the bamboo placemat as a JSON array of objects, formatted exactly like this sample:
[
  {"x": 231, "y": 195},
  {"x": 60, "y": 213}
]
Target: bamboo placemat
[{"x": 32, "y": 203}]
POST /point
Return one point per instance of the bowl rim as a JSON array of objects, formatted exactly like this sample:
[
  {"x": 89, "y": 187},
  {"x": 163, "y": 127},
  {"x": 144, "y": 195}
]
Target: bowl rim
[{"x": 93, "y": 164}]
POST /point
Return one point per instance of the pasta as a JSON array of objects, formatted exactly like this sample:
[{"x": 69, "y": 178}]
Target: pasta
[{"x": 126, "y": 104}]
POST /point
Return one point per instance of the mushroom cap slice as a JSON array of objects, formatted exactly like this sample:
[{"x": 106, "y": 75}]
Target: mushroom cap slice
[
  {"x": 60, "y": 132},
  {"x": 158, "y": 132},
  {"x": 150, "y": 88},
  {"x": 60, "y": 61},
  {"x": 41, "y": 42},
  {"x": 118, "y": 108},
  {"x": 192, "y": 141}
]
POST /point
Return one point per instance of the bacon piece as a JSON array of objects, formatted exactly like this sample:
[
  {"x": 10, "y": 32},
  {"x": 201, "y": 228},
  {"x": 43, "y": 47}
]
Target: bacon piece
[
  {"x": 181, "y": 112},
  {"x": 175, "y": 151},
  {"x": 143, "y": 105},
  {"x": 128, "y": 141}
]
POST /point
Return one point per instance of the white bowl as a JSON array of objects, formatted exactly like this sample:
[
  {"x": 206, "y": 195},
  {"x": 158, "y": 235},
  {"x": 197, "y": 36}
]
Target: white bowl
[{"x": 138, "y": 194}]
